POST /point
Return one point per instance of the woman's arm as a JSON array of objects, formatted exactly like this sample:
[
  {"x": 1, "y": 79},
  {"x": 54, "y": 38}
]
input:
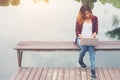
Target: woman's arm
[
  {"x": 95, "y": 27},
  {"x": 94, "y": 35},
  {"x": 78, "y": 29}
]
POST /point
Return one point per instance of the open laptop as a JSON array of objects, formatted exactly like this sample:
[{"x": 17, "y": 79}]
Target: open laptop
[{"x": 88, "y": 41}]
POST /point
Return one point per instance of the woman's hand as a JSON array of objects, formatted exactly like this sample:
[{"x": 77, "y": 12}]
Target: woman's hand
[
  {"x": 94, "y": 35},
  {"x": 80, "y": 36}
]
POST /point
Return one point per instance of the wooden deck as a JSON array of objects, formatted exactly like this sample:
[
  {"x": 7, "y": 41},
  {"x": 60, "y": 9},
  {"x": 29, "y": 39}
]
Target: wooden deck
[
  {"x": 62, "y": 73},
  {"x": 65, "y": 73}
]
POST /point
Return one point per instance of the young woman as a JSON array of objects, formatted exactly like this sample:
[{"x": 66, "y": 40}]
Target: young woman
[{"x": 86, "y": 27}]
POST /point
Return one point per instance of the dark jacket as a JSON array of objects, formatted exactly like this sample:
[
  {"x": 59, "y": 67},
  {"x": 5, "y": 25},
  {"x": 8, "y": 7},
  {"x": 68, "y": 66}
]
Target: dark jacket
[{"x": 78, "y": 29}]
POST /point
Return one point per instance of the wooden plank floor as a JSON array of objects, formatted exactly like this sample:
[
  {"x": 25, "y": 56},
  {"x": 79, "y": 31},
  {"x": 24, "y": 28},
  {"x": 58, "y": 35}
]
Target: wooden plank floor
[{"x": 65, "y": 73}]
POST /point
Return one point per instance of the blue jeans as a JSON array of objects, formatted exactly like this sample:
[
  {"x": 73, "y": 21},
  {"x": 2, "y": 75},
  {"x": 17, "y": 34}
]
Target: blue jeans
[{"x": 83, "y": 51}]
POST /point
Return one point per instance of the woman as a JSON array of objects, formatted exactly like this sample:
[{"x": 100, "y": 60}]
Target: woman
[{"x": 86, "y": 27}]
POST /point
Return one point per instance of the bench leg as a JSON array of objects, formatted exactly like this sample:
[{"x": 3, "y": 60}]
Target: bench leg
[{"x": 19, "y": 54}]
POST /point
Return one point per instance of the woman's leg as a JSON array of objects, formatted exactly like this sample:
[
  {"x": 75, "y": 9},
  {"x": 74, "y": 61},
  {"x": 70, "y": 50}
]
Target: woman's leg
[
  {"x": 92, "y": 60},
  {"x": 92, "y": 56},
  {"x": 82, "y": 53}
]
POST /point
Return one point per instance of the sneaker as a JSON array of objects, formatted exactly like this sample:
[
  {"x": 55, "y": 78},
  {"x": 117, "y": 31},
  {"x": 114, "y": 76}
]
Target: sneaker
[
  {"x": 83, "y": 65},
  {"x": 93, "y": 74}
]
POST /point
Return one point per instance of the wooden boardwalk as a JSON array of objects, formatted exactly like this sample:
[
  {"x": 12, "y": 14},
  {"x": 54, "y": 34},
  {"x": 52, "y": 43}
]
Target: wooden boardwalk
[
  {"x": 65, "y": 73},
  {"x": 62, "y": 73}
]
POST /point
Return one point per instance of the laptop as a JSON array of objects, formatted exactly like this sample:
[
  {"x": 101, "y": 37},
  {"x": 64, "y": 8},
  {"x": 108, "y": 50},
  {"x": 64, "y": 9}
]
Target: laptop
[{"x": 88, "y": 41}]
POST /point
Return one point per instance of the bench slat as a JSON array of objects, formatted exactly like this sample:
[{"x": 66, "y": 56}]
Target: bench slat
[
  {"x": 64, "y": 45},
  {"x": 65, "y": 42}
]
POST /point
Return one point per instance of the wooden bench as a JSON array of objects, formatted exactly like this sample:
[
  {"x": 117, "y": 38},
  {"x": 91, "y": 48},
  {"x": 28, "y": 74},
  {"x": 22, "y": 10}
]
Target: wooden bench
[{"x": 60, "y": 46}]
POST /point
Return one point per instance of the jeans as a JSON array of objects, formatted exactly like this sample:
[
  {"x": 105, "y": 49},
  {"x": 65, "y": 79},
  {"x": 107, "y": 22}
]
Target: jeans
[{"x": 83, "y": 51}]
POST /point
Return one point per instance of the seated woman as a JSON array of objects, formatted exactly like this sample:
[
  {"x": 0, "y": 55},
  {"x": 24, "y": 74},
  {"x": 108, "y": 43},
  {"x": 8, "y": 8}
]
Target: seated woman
[{"x": 86, "y": 27}]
